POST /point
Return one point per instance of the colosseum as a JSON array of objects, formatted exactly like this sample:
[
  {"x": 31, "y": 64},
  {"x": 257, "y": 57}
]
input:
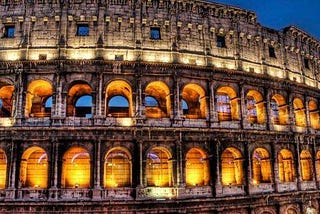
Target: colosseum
[{"x": 156, "y": 106}]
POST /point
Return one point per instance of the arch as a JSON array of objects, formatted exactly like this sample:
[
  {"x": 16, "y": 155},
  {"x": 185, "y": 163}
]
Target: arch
[
  {"x": 195, "y": 97},
  {"x": 76, "y": 168},
  {"x": 299, "y": 112},
  {"x": 261, "y": 166},
  {"x": 6, "y": 97},
  {"x": 197, "y": 168},
  {"x": 291, "y": 210},
  {"x": 3, "y": 169},
  {"x": 318, "y": 165},
  {"x": 119, "y": 99},
  {"x": 279, "y": 110},
  {"x": 34, "y": 168},
  {"x": 314, "y": 114},
  {"x": 232, "y": 167},
  {"x": 286, "y": 166},
  {"x": 255, "y": 107},
  {"x": 161, "y": 93},
  {"x": 306, "y": 165},
  {"x": 117, "y": 168},
  {"x": 227, "y": 104},
  {"x": 79, "y": 91},
  {"x": 37, "y": 94},
  {"x": 159, "y": 167}
]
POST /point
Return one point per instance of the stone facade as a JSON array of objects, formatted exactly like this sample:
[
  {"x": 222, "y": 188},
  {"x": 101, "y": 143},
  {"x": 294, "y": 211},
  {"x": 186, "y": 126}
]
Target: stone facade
[{"x": 205, "y": 85}]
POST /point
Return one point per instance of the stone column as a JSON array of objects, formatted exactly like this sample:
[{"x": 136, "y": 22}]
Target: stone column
[
  {"x": 97, "y": 170},
  {"x": 268, "y": 109},
  {"x": 243, "y": 110},
  {"x": 177, "y": 112},
  {"x": 218, "y": 174},
  {"x": 141, "y": 165},
  {"x": 297, "y": 164},
  {"x": 12, "y": 174},
  {"x": 307, "y": 112},
  {"x": 54, "y": 156},
  {"x": 247, "y": 162}
]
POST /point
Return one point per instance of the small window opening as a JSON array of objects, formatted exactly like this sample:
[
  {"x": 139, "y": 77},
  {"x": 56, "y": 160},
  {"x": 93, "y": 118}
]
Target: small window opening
[
  {"x": 221, "y": 41},
  {"x": 9, "y": 31},
  {"x": 83, "y": 30},
  {"x": 272, "y": 52},
  {"x": 155, "y": 33},
  {"x": 306, "y": 63}
]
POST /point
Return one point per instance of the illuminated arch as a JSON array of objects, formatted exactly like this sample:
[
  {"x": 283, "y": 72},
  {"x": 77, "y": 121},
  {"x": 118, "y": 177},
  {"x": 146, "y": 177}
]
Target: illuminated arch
[
  {"x": 159, "y": 167},
  {"x": 227, "y": 104},
  {"x": 255, "y": 107},
  {"x": 279, "y": 110},
  {"x": 6, "y": 98},
  {"x": 306, "y": 165},
  {"x": 117, "y": 168},
  {"x": 79, "y": 91},
  {"x": 37, "y": 94},
  {"x": 232, "y": 167},
  {"x": 34, "y": 168},
  {"x": 161, "y": 93},
  {"x": 291, "y": 211},
  {"x": 76, "y": 168},
  {"x": 121, "y": 91},
  {"x": 261, "y": 166},
  {"x": 314, "y": 114},
  {"x": 299, "y": 112},
  {"x": 3, "y": 169},
  {"x": 318, "y": 165},
  {"x": 195, "y": 98},
  {"x": 197, "y": 168},
  {"x": 286, "y": 166}
]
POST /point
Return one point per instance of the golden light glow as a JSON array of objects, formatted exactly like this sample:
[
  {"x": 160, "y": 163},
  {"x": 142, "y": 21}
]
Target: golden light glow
[
  {"x": 286, "y": 166},
  {"x": 306, "y": 165},
  {"x": 159, "y": 168},
  {"x": 232, "y": 167},
  {"x": 261, "y": 166},
  {"x": 12, "y": 55},
  {"x": 227, "y": 104},
  {"x": 314, "y": 114},
  {"x": 81, "y": 54},
  {"x": 279, "y": 110},
  {"x": 117, "y": 168},
  {"x": 3, "y": 169},
  {"x": 6, "y": 122},
  {"x": 34, "y": 168},
  {"x": 299, "y": 113},
  {"x": 255, "y": 107},
  {"x": 76, "y": 168},
  {"x": 161, "y": 192},
  {"x": 195, "y": 97},
  {"x": 125, "y": 121},
  {"x": 161, "y": 93},
  {"x": 75, "y": 92},
  {"x": 197, "y": 168}
]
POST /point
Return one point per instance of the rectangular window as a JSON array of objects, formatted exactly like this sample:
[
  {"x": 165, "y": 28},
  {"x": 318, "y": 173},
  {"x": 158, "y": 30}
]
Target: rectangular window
[
  {"x": 272, "y": 52},
  {"x": 9, "y": 31},
  {"x": 221, "y": 41},
  {"x": 155, "y": 33},
  {"x": 306, "y": 63},
  {"x": 83, "y": 30}
]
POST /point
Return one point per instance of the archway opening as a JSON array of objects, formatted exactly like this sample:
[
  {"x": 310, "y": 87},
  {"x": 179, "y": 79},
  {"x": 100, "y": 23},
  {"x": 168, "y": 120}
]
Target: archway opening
[
  {"x": 261, "y": 166},
  {"x": 306, "y": 165},
  {"x": 227, "y": 104},
  {"x": 299, "y": 112},
  {"x": 286, "y": 166},
  {"x": 117, "y": 168},
  {"x": 159, "y": 167},
  {"x": 34, "y": 168},
  {"x": 279, "y": 110},
  {"x": 79, "y": 101},
  {"x": 232, "y": 167},
  {"x": 255, "y": 107},
  {"x": 6, "y": 96},
  {"x": 197, "y": 168},
  {"x": 314, "y": 114},
  {"x": 3, "y": 169},
  {"x": 76, "y": 168},
  {"x": 195, "y": 98}
]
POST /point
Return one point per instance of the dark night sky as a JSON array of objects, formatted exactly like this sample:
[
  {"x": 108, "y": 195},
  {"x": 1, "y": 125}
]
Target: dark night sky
[{"x": 277, "y": 14}]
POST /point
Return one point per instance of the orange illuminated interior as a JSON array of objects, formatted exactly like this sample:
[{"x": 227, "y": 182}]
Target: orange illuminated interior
[
  {"x": 197, "y": 168},
  {"x": 122, "y": 89},
  {"x": 299, "y": 112},
  {"x": 261, "y": 166},
  {"x": 159, "y": 168},
  {"x": 255, "y": 107},
  {"x": 160, "y": 92},
  {"x": 232, "y": 167},
  {"x": 77, "y": 91},
  {"x": 6, "y": 92},
  {"x": 227, "y": 104},
  {"x": 76, "y": 168},
  {"x": 314, "y": 114},
  {"x": 3, "y": 169},
  {"x": 117, "y": 168},
  {"x": 195, "y": 98},
  {"x": 38, "y": 93},
  {"x": 279, "y": 110},
  {"x": 34, "y": 168},
  {"x": 318, "y": 165},
  {"x": 306, "y": 165},
  {"x": 286, "y": 166}
]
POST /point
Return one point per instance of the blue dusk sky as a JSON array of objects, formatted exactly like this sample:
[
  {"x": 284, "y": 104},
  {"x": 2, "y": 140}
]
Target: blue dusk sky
[{"x": 277, "y": 14}]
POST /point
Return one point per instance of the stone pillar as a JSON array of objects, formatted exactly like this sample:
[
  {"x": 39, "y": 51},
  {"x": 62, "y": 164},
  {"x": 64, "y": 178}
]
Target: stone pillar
[
  {"x": 247, "y": 162},
  {"x": 268, "y": 109},
  {"x": 212, "y": 104},
  {"x": 243, "y": 110},
  {"x": 297, "y": 164},
  {"x": 274, "y": 150},
  {"x": 141, "y": 165},
  {"x": 54, "y": 156},
  {"x": 177, "y": 112},
  {"x": 99, "y": 98},
  {"x": 97, "y": 170},
  {"x": 93, "y": 108},
  {"x": 291, "y": 110},
  {"x": 307, "y": 112},
  {"x": 180, "y": 169},
  {"x": 12, "y": 174},
  {"x": 218, "y": 174}
]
